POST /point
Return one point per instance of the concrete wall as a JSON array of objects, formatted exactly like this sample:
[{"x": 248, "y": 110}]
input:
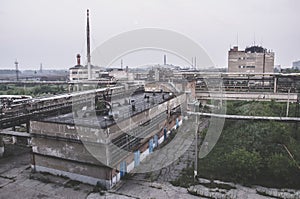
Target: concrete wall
[
  {"x": 75, "y": 151},
  {"x": 237, "y": 59},
  {"x": 88, "y": 173}
]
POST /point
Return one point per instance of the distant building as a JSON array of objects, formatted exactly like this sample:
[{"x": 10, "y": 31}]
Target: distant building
[
  {"x": 254, "y": 59},
  {"x": 296, "y": 65},
  {"x": 80, "y": 72},
  {"x": 277, "y": 68},
  {"x": 160, "y": 73}
]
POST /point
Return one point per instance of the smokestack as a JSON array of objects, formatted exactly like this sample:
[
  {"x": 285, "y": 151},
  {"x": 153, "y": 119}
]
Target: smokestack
[
  {"x": 121, "y": 63},
  {"x": 195, "y": 62},
  {"x": 78, "y": 59},
  {"x": 88, "y": 45},
  {"x": 17, "y": 70},
  {"x": 165, "y": 59}
]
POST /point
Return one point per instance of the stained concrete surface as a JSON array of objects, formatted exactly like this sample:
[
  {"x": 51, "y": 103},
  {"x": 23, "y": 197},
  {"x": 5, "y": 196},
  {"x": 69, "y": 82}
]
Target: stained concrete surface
[{"x": 17, "y": 181}]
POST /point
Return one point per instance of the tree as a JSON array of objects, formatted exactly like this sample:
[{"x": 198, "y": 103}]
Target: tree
[{"x": 243, "y": 164}]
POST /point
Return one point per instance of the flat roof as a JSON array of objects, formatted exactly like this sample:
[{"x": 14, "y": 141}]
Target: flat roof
[{"x": 120, "y": 111}]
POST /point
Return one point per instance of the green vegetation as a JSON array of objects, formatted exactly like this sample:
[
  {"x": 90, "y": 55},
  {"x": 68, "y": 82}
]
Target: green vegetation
[
  {"x": 256, "y": 152},
  {"x": 260, "y": 108},
  {"x": 32, "y": 90}
]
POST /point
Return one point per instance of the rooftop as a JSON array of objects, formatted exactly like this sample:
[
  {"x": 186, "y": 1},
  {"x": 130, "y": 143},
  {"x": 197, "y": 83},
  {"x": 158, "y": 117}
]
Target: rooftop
[{"x": 120, "y": 109}]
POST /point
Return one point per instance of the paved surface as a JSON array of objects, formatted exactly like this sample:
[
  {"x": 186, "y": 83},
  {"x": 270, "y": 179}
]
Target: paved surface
[
  {"x": 177, "y": 155},
  {"x": 139, "y": 189},
  {"x": 15, "y": 180}
]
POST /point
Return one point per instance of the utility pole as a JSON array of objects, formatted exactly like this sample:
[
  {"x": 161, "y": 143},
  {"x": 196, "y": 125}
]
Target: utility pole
[
  {"x": 264, "y": 68},
  {"x": 196, "y": 149},
  {"x": 297, "y": 115}
]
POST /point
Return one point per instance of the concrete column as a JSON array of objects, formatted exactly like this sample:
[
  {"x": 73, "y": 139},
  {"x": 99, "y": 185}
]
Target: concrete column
[
  {"x": 14, "y": 140},
  {"x": 28, "y": 127},
  {"x": 1, "y": 146},
  {"x": 275, "y": 84}
]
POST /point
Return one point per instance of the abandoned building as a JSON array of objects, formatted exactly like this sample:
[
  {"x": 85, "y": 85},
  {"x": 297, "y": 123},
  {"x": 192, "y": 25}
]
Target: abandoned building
[
  {"x": 254, "y": 59},
  {"x": 100, "y": 145}
]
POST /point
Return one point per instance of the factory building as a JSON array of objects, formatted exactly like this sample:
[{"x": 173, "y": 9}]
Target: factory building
[
  {"x": 254, "y": 59},
  {"x": 89, "y": 72},
  {"x": 80, "y": 73},
  {"x": 100, "y": 147},
  {"x": 296, "y": 65}
]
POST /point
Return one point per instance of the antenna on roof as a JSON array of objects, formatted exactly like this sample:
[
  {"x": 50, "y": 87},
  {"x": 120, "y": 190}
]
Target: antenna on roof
[
  {"x": 237, "y": 39},
  {"x": 254, "y": 38}
]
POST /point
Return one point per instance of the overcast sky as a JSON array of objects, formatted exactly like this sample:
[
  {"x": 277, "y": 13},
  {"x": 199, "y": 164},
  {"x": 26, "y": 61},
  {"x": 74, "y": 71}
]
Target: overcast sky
[{"x": 53, "y": 32}]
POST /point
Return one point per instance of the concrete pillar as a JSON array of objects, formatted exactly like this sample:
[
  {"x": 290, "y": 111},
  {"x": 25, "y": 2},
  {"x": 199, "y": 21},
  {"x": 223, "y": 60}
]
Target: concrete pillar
[
  {"x": 1, "y": 146},
  {"x": 28, "y": 141},
  {"x": 28, "y": 127},
  {"x": 275, "y": 84},
  {"x": 14, "y": 140}
]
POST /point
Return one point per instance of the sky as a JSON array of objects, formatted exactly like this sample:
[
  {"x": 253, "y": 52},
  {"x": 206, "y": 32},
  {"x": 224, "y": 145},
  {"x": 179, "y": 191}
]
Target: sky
[{"x": 52, "y": 32}]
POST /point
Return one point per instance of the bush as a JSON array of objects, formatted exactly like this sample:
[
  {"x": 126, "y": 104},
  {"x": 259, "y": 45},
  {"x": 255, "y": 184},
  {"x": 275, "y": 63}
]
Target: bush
[
  {"x": 243, "y": 164},
  {"x": 283, "y": 169}
]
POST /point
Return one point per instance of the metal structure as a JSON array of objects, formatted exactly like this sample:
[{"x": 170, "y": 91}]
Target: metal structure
[
  {"x": 245, "y": 117},
  {"x": 21, "y": 112}
]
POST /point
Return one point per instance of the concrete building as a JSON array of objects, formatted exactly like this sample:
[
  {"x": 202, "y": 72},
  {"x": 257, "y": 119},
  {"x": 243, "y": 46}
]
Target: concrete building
[
  {"x": 89, "y": 72},
  {"x": 79, "y": 73},
  {"x": 296, "y": 65},
  {"x": 254, "y": 59},
  {"x": 277, "y": 69},
  {"x": 100, "y": 149}
]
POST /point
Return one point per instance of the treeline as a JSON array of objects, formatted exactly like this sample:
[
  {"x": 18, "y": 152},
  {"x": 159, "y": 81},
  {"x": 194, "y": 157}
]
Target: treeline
[
  {"x": 256, "y": 152},
  {"x": 33, "y": 91}
]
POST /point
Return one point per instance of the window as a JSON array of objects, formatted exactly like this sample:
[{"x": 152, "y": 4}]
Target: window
[
  {"x": 250, "y": 66},
  {"x": 246, "y": 66}
]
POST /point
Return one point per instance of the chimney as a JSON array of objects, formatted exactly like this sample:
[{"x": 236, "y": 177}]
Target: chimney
[
  {"x": 78, "y": 59},
  {"x": 17, "y": 70},
  {"x": 88, "y": 45},
  {"x": 235, "y": 49},
  {"x": 165, "y": 59}
]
